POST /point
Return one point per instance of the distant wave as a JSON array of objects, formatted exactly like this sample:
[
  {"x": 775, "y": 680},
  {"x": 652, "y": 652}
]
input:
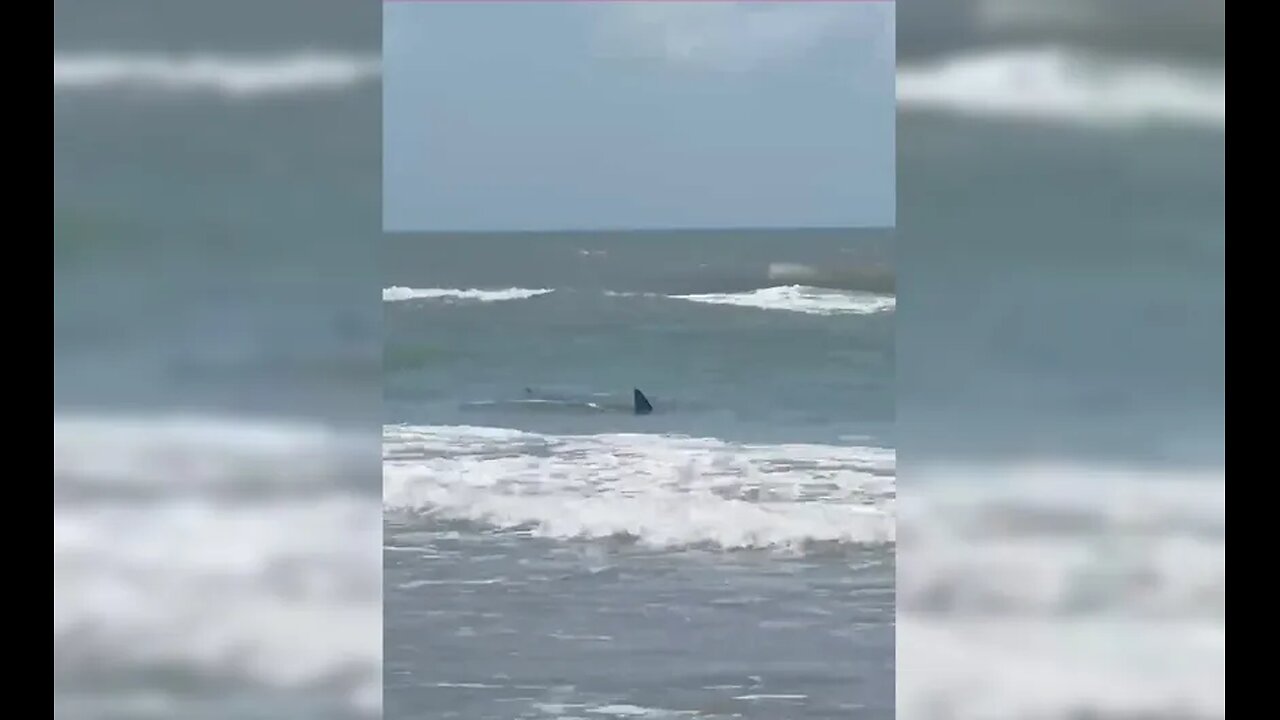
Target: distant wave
[
  {"x": 791, "y": 298},
  {"x": 223, "y": 74},
  {"x": 661, "y": 491},
  {"x": 400, "y": 294},
  {"x": 801, "y": 299},
  {"x": 1053, "y": 84}
]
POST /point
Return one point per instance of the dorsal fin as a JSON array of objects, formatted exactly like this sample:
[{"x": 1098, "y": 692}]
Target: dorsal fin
[{"x": 642, "y": 406}]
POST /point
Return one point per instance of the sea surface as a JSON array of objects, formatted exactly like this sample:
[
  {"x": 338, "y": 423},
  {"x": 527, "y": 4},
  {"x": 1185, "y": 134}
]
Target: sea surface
[
  {"x": 1061, "y": 394},
  {"x": 216, "y": 514},
  {"x": 1060, "y": 374},
  {"x": 550, "y": 553}
]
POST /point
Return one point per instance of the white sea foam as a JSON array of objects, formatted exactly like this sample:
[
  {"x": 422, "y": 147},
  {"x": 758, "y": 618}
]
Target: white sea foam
[
  {"x": 232, "y": 75},
  {"x": 1060, "y": 591},
  {"x": 401, "y": 294},
  {"x": 801, "y": 299},
  {"x": 214, "y": 573},
  {"x": 1058, "y": 85},
  {"x": 998, "y": 668},
  {"x": 663, "y": 491}
]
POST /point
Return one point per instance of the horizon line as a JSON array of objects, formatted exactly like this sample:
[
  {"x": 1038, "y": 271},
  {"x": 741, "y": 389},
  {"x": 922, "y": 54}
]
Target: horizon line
[
  {"x": 609, "y": 229},
  {"x": 751, "y": 2}
]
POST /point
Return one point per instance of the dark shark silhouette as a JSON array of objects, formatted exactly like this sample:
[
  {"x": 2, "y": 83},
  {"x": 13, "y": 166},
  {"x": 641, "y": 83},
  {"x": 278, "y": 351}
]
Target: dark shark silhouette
[{"x": 640, "y": 404}]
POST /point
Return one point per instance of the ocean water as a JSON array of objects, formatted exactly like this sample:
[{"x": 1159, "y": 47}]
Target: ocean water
[
  {"x": 1062, "y": 370},
  {"x": 1061, "y": 527},
  {"x": 549, "y": 553},
  {"x": 216, "y": 517}
]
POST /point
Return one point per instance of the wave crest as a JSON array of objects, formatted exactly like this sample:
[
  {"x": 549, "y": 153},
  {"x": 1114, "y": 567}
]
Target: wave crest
[
  {"x": 660, "y": 491},
  {"x": 1059, "y": 85},
  {"x": 401, "y": 294},
  {"x": 801, "y": 299},
  {"x": 229, "y": 75}
]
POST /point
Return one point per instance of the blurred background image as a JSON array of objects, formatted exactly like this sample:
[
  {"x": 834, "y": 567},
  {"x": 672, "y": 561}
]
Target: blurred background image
[
  {"x": 1061, "y": 346},
  {"x": 1061, "y": 359},
  {"x": 216, "y": 520}
]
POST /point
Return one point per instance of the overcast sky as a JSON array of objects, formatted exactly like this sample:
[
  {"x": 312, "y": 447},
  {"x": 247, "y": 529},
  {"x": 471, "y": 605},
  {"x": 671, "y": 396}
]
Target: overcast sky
[{"x": 585, "y": 115}]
